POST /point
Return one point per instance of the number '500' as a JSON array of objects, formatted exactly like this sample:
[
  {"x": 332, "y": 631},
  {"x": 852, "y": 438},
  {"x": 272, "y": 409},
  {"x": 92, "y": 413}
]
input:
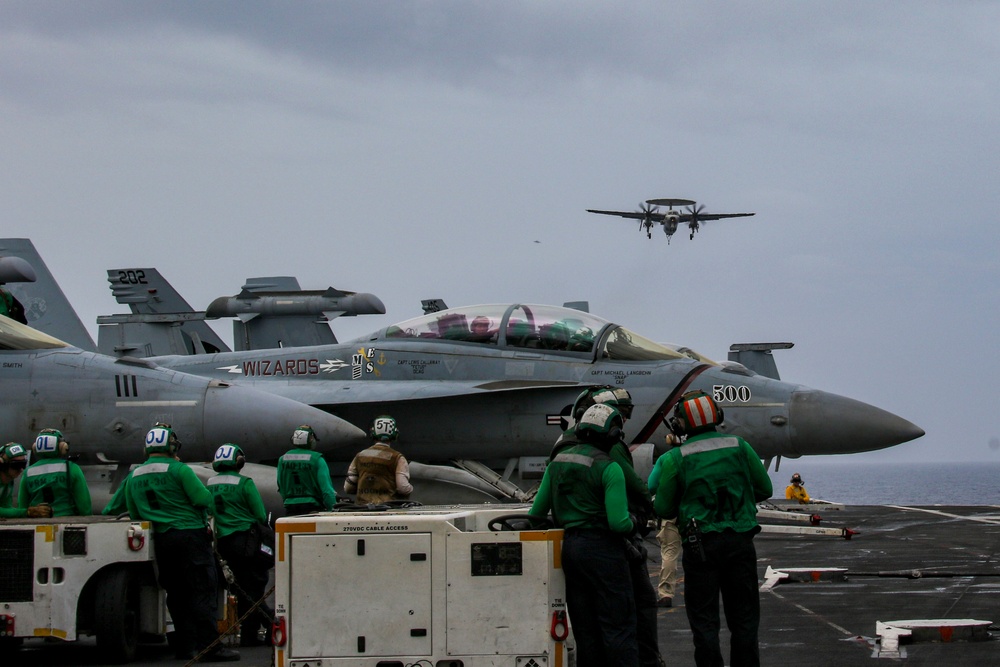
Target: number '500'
[{"x": 731, "y": 394}]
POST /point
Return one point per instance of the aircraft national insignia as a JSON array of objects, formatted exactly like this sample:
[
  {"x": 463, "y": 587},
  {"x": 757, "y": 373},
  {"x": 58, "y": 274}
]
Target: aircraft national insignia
[{"x": 333, "y": 365}]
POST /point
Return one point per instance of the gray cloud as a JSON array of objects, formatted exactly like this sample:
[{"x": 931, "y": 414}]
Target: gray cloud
[{"x": 419, "y": 149}]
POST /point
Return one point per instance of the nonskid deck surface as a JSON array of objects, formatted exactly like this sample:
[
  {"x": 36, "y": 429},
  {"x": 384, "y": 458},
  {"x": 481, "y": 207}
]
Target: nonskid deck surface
[{"x": 954, "y": 550}]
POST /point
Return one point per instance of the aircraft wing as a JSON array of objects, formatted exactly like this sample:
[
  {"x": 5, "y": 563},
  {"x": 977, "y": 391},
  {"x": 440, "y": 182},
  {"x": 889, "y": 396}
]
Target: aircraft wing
[
  {"x": 705, "y": 217},
  {"x": 635, "y": 215}
]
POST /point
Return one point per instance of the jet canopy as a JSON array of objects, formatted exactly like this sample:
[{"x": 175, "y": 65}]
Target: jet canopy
[
  {"x": 544, "y": 328},
  {"x": 16, "y": 336}
]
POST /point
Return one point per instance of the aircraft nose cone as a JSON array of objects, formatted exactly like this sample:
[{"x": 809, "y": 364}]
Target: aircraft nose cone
[
  {"x": 262, "y": 423},
  {"x": 824, "y": 423}
]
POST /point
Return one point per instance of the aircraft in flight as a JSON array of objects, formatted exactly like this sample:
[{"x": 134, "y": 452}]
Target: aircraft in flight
[
  {"x": 494, "y": 385},
  {"x": 649, "y": 215}
]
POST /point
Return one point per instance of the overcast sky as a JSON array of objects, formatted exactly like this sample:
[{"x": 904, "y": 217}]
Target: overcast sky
[{"x": 451, "y": 149}]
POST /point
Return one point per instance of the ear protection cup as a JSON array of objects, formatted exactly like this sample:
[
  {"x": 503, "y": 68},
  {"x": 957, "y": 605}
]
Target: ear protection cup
[
  {"x": 63, "y": 448},
  {"x": 13, "y": 455},
  {"x": 676, "y": 426}
]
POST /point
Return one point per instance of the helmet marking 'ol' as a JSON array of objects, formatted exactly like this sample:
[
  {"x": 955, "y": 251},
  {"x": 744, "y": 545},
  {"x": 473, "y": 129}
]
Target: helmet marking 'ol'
[{"x": 50, "y": 444}]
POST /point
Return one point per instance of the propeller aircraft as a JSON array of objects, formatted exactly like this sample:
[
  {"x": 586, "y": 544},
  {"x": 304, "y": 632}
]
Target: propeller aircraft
[{"x": 649, "y": 215}]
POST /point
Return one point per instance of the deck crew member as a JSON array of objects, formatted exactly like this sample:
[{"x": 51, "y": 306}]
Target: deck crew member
[
  {"x": 303, "y": 476},
  {"x": 584, "y": 400},
  {"x": 379, "y": 473},
  {"x": 240, "y": 523},
  {"x": 669, "y": 538},
  {"x": 13, "y": 460},
  {"x": 168, "y": 494},
  {"x": 118, "y": 505},
  {"x": 585, "y": 491},
  {"x": 53, "y": 480},
  {"x": 712, "y": 484},
  {"x": 640, "y": 506},
  {"x": 796, "y": 490}
]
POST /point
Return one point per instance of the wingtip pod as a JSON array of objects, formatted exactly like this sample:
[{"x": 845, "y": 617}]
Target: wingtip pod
[{"x": 836, "y": 424}]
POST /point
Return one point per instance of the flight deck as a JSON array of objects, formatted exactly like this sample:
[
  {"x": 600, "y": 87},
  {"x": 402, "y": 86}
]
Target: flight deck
[{"x": 937, "y": 567}]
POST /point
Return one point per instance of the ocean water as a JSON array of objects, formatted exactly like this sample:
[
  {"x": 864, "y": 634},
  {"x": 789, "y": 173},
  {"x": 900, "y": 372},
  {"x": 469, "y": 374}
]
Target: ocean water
[{"x": 882, "y": 483}]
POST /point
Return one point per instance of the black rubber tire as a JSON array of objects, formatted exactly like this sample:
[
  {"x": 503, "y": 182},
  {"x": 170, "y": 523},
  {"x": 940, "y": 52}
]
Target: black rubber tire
[
  {"x": 10, "y": 643},
  {"x": 116, "y": 615}
]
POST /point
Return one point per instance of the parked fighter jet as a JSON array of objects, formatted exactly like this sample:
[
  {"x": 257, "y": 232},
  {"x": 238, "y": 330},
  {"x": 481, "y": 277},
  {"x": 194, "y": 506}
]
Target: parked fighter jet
[
  {"x": 649, "y": 215},
  {"x": 270, "y": 312},
  {"x": 495, "y": 383},
  {"x": 460, "y": 389},
  {"x": 104, "y": 405}
]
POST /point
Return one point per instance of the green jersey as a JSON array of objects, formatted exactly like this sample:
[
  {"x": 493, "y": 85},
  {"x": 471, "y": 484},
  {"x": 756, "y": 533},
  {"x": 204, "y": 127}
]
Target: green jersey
[
  {"x": 637, "y": 491},
  {"x": 117, "y": 504},
  {"x": 304, "y": 477},
  {"x": 584, "y": 488},
  {"x": 715, "y": 479},
  {"x": 237, "y": 503},
  {"x": 57, "y": 482},
  {"x": 167, "y": 493},
  {"x": 7, "y": 508}
]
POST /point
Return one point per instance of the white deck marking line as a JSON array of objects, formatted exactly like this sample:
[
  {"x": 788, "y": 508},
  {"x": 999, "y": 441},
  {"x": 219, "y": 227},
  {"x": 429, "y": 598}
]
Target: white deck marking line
[
  {"x": 804, "y": 610},
  {"x": 992, "y": 522}
]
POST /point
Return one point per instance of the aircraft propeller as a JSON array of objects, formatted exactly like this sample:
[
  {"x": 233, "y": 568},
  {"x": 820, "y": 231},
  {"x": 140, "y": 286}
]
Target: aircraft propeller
[
  {"x": 693, "y": 224},
  {"x": 647, "y": 211}
]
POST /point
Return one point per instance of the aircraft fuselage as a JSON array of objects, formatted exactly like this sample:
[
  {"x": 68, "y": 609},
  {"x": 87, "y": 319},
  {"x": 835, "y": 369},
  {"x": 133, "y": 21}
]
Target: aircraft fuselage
[
  {"x": 104, "y": 407},
  {"x": 466, "y": 399}
]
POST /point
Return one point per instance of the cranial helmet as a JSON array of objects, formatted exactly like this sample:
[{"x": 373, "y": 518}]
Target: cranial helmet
[
  {"x": 582, "y": 340},
  {"x": 601, "y": 424},
  {"x": 304, "y": 437},
  {"x": 589, "y": 397},
  {"x": 696, "y": 412},
  {"x": 161, "y": 439},
  {"x": 623, "y": 401},
  {"x": 229, "y": 457},
  {"x": 796, "y": 478},
  {"x": 13, "y": 455},
  {"x": 50, "y": 444},
  {"x": 384, "y": 429}
]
